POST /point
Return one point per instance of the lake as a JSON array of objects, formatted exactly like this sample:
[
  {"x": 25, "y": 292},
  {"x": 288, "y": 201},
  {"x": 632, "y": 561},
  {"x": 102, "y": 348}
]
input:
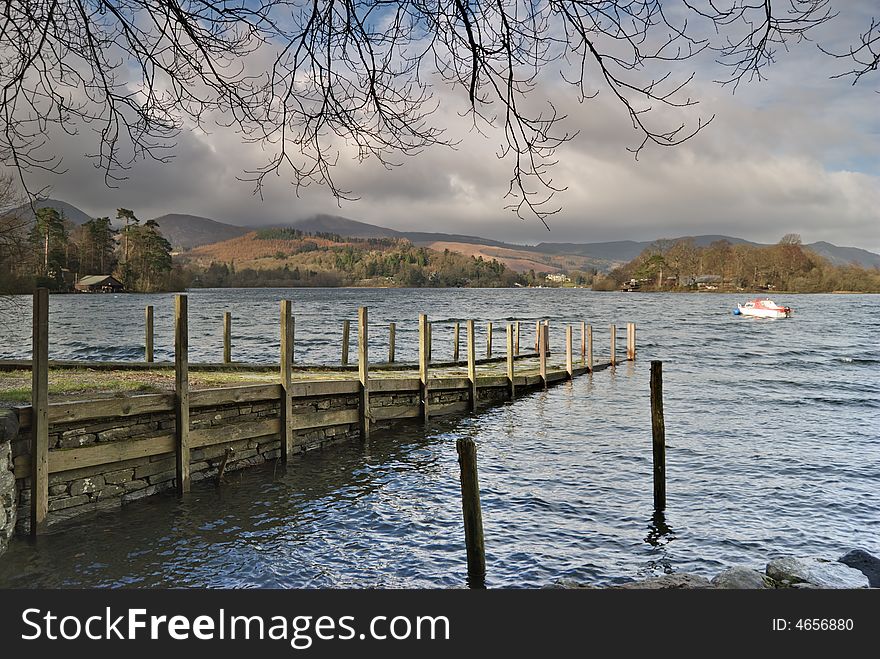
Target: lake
[{"x": 773, "y": 431}]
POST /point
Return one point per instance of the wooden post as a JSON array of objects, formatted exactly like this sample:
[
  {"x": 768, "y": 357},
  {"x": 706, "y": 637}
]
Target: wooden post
[
  {"x": 542, "y": 352},
  {"x": 473, "y": 516},
  {"x": 568, "y": 361},
  {"x": 148, "y": 330},
  {"x": 614, "y": 345},
  {"x": 590, "y": 347},
  {"x": 392, "y": 329},
  {"x": 455, "y": 343},
  {"x": 286, "y": 380},
  {"x": 472, "y": 364},
  {"x": 345, "y": 330},
  {"x": 430, "y": 342},
  {"x": 516, "y": 340},
  {"x": 40, "y": 412},
  {"x": 489, "y": 340},
  {"x": 510, "y": 353},
  {"x": 227, "y": 338},
  {"x": 364, "y": 374},
  {"x": 658, "y": 428},
  {"x": 537, "y": 335},
  {"x": 424, "y": 360},
  {"x": 631, "y": 341},
  {"x": 181, "y": 394},
  {"x": 583, "y": 343},
  {"x": 547, "y": 336}
]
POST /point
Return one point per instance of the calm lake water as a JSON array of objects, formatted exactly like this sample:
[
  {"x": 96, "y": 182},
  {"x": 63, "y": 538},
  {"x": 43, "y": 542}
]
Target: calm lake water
[{"x": 773, "y": 432}]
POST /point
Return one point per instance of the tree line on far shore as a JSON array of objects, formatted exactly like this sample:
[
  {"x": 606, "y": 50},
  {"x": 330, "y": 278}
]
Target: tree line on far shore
[{"x": 785, "y": 266}]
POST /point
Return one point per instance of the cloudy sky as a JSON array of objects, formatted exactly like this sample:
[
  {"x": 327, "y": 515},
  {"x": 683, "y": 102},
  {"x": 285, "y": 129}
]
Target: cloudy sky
[{"x": 799, "y": 152}]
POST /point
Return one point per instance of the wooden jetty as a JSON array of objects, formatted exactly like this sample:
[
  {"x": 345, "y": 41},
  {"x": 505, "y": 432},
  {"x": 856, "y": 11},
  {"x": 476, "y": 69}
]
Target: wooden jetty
[{"x": 77, "y": 456}]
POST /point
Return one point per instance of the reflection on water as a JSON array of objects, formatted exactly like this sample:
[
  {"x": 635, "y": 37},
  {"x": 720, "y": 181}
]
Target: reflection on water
[{"x": 772, "y": 430}]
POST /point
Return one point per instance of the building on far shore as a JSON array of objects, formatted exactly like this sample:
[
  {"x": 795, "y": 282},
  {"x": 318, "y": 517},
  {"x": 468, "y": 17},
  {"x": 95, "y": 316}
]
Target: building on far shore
[{"x": 99, "y": 284}]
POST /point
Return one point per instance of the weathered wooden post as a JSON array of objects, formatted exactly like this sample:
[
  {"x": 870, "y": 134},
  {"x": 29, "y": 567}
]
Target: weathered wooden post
[
  {"x": 631, "y": 341},
  {"x": 516, "y": 340},
  {"x": 590, "y": 347},
  {"x": 364, "y": 374},
  {"x": 547, "y": 336},
  {"x": 392, "y": 330},
  {"x": 424, "y": 360},
  {"x": 345, "y": 330},
  {"x": 148, "y": 331},
  {"x": 569, "y": 367},
  {"x": 489, "y": 340},
  {"x": 537, "y": 335},
  {"x": 455, "y": 343},
  {"x": 40, "y": 412},
  {"x": 583, "y": 343},
  {"x": 473, "y": 515},
  {"x": 181, "y": 394},
  {"x": 614, "y": 345},
  {"x": 430, "y": 342},
  {"x": 510, "y": 354},
  {"x": 472, "y": 364},
  {"x": 227, "y": 337},
  {"x": 542, "y": 353},
  {"x": 658, "y": 429},
  {"x": 286, "y": 380}
]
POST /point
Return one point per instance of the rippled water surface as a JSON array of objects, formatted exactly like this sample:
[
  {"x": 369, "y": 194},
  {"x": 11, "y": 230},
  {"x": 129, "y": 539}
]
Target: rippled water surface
[{"x": 773, "y": 432}]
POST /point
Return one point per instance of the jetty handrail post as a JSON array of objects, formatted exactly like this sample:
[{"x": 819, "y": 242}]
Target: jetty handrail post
[
  {"x": 547, "y": 336},
  {"x": 489, "y": 340},
  {"x": 542, "y": 353},
  {"x": 148, "y": 333},
  {"x": 40, "y": 412},
  {"x": 590, "y": 347},
  {"x": 392, "y": 331},
  {"x": 286, "y": 380},
  {"x": 471, "y": 511},
  {"x": 658, "y": 432},
  {"x": 424, "y": 360},
  {"x": 583, "y": 343},
  {"x": 227, "y": 337},
  {"x": 511, "y": 351},
  {"x": 516, "y": 340},
  {"x": 614, "y": 345},
  {"x": 181, "y": 394},
  {"x": 472, "y": 364},
  {"x": 346, "y": 326},
  {"x": 537, "y": 335},
  {"x": 364, "y": 373},
  {"x": 569, "y": 367},
  {"x": 455, "y": 342},
  {"x": 430, "y": 342}
]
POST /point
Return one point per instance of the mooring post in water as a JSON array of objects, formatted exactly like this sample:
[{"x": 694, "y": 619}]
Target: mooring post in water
[
  {"x": 614, "y": 345},
  {"x": 590, "y": 347},
  {"x": 227, "y": 337},
  {"x": 472, "y": 364},
  {"x": 631, "y": 341},
  {"x": 392, "y": 330},
  {"x": 510, "y": 353},
  {"x": 40, "y": 412},
  {"x": 181, "y": 394},
  {"x": 455, "y": 333},
  {"x": 148, "y": 333},
  {"x": 569, "y": 366},
  {"x": 364, "y": 374},
  {"x": 286, "y": 380},
  {"x": 542, "y": 353},
  {"x": 516, "y": 339},
  {"x": 547, "y": 336},
  {"x": 489, "y": 340},
  {"x": 583, "y": 343},
  {"x": 658, "y": 428},
  {"x": 424, "y": 360},
  {"x": 346, "y": 325},
  {"x": 473, "y": 516}
]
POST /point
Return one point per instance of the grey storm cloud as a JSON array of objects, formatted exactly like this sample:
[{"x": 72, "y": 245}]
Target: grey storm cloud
[{"x": 799, "y": 152}]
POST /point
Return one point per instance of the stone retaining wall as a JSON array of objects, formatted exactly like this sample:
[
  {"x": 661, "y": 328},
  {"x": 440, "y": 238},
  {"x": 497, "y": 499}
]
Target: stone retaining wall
[{"x": 8, "y": 512}]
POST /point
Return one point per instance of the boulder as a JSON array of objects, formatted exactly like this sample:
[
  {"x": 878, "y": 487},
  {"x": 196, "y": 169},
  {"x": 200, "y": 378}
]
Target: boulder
[
  {"x": 862, "y": 561},
  {"x": 741, "y": 578},
  {"x": 669, "y": 581},
  {"x": 816, "y": 571}
]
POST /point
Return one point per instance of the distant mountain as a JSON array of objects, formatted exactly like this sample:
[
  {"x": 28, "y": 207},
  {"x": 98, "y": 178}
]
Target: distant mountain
[
  {"x": 343, "y": 226},
  {"x": 622, "y": 251},
  {"x": 846, "y": 255},
  {"x": 69, "y": 211},
  {"x": 188, "y": 231}
]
